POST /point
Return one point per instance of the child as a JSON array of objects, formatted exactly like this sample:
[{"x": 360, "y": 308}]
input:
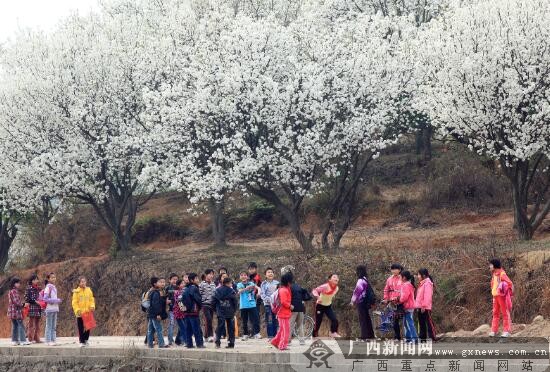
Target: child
[
  {"x": 222, "y": 272},
  {"x": 170, "y": 289},
  {"x": 267, "y": 288},
  {"x": 155, "y": 313},
  {"x": 257, "y": 280},
  {"x": 280, "y": 341},
  {"x": 35, "y": 311},
  {"x": 391, "y": 293},
  {"x": 15, "y": 313},
  {"x": 502, "y": 290},
  {"x": 179, "y": 315},
  {"x": 324, "y": 294},
  {"x": 225, "y": 303},
  {"x": 207, "y": 289},
  {"x": 423, "y": 303},
  {"x": 52, "y": 309},
  {"x": 407, "y": 299},
  {"x": 83, "y": 302},
  {"x": 220, "y": 279},
  {"x": 299, "y": 295},
  {"x": 363, "y": 304},
  {"x": 246, "y": 290},
  {"x": 192, "y": 301}
]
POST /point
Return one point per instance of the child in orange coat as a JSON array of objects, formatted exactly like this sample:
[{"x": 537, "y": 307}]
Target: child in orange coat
[{"x": 502, "y": 291}]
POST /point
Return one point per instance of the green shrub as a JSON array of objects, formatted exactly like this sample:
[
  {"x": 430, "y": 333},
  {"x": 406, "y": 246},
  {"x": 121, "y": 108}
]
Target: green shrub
[
  {"x": 150, "y": 229},
  {"x": 256, "y": 212},
  {"x": 458, "y": 178}
]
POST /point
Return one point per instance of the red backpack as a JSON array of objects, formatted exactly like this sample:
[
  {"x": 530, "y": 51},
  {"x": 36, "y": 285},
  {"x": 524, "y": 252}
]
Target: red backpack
[{"x": 41, "y": 301}]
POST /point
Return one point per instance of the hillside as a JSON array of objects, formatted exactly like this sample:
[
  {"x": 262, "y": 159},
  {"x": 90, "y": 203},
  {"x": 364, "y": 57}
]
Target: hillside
[{"x": 408, "y": 219}]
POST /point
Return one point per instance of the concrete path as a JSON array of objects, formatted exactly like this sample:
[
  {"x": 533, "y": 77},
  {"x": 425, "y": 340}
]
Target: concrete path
[
  {"x": 125, "y": 354},
  {"x": 130, "y": 342}
]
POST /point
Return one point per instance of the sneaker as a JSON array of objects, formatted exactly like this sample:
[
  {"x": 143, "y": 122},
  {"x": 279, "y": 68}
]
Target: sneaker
[
  {"x": 491, "y": 334},
  {"x": 26, "y": 343},
  {"x": 52, "y": 344},
  {"x": 210, "y": 339},
  {"x": 13, "y": 343},
  {"x": 505, "y": 334},
  {"x": 244, "y": 338},
  {"x": 257, "y": 336},
  {"x": 82, "y": 345},
  {"x": 335, "y": 335}
]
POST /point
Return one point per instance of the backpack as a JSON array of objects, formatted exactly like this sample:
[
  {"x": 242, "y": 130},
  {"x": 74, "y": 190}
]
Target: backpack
[
  {"x": 40, "y": 301},
  {"x": 180, "y": 303},
  {"x": 226, "y": 307},
  {"x": 370, "y": 297},
  {"x": 145, "y": 301},
  {"x": 275, "y": 302},
  {"x": 499, "y": 286}
]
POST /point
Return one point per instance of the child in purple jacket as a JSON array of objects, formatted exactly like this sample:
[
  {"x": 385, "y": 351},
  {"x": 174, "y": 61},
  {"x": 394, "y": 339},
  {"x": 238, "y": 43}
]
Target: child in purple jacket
[
  {"x": 362, "y": 303},
  {"x": 52, "y": 309}
]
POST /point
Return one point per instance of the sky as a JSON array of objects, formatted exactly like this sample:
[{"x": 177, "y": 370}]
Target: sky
[{"x": 40, "y": 14}]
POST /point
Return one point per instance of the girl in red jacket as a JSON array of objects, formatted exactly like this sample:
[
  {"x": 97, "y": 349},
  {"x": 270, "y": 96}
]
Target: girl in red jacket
[
  {"x": 423, "y": 303},
  {"x": 406, "y": 298},
  {"x": 280, "y": 340}
]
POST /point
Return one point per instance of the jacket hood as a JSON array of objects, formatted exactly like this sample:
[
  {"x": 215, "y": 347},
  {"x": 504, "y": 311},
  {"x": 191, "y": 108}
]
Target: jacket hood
[
  {"x": 427, "y": 281},
  {"x": 224, "y": 292}
]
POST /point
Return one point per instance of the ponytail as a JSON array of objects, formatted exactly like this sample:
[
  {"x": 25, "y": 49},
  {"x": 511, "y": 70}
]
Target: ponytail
[
  {"x": 408, "y": 276},
  {"x": 425, "y": 274}
]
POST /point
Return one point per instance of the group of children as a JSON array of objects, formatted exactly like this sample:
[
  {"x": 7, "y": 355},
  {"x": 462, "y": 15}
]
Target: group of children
[
  {"x": 184, "y": 299},
  {"x": 44, "y": 302}
]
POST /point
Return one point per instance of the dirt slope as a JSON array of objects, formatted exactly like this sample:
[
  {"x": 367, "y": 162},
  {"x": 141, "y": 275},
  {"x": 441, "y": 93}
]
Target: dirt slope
[{"x": 455, "y": 247}]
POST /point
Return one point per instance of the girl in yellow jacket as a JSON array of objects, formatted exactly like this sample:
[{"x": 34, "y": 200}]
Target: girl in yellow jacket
[{"x": 83, "y": 302}]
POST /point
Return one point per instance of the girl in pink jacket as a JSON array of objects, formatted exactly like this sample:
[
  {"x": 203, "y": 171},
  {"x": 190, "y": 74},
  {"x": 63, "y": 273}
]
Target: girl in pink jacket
[
  {"x": 423, "y": 303},
  {"x": 391, "y": 294},
  {"x": 407, "y": 299}
]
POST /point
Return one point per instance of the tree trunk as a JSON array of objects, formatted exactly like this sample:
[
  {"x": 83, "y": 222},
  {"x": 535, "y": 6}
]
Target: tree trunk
[
  {"x": 8, "y": 232},
  {"x": 118, "y": 212},
  {"x": 217, "y": 218},
  {"x": 296, "y": 228},
  {"x": 423, "y": 141},
  {"x": 522, "y": 175},
  {"x": 291, "y": 213},
  {"x": 427, "y": 134},
  {"x": 4, "y": 252},
  {"x": 344, "y": 203}
]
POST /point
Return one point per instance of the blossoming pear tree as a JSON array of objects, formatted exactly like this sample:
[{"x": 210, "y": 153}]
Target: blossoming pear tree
[
  {"x": 73, "y": 109},
  {"x": 278, "y": 109},
  {"x": 488, "y": 70}
]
